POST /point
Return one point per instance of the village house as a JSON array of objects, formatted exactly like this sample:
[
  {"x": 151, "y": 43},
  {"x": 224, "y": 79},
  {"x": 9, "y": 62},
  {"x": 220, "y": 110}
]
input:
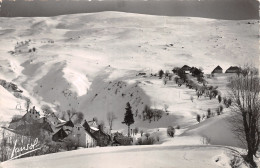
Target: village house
[
  {"x": 31, "y": 116},
  {"x": 186, "y": 69},
  {"x": 196, "y": 72},
  {"x": 22, "y": 126},
  {"x": 92, "y": 125},
  {"x": 102, "y": 138},
  {"x": 62, "y": 130},
  {"x": 233, "y": 69},
  {"x": 82, "y": 137},
  {"x": 218, "y": 69}
]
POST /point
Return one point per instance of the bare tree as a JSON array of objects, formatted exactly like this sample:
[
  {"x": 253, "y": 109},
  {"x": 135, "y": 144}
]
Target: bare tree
[
  {"x": 46, "y": 109},
  {"x": 147, "y": 135},
  {"x": 71, "y": 113},
  {"x": 3, "y": 145},
  {"x": 110, "y": 118},
  {"x": 245, "y": 122},
  {"x": 141, "y": 132}
]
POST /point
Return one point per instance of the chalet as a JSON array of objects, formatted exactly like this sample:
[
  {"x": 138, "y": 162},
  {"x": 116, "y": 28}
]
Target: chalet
[
  {"x": 196, "y": 72},
  {"x": 54, "y": 121},
  {"x": 233, "y": 69},
  {"x": 103, "y": 139},
  {"x": 186, "y": 69},
  {"x": 82, "y": 137},
  {"x": 218, "y": 69}
]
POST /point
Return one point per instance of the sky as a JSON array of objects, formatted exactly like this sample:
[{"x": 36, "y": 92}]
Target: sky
[{"x": 217, "y": 9}]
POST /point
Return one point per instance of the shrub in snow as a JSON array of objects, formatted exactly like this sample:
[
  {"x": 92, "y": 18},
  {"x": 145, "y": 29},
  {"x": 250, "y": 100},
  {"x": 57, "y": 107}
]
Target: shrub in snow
[
  {"x": 178, "y": 127},
  {"x": 170, "y": 131},
  {"x": 229, "y": 102},
  {"x": 209, "y": 113},
  {"x": 198, "y": 117},
  {"x": 221, "y": 109},
  {"x": 219, "y": 99},
  {"x": 225, "y": 101},
  {"x": 160, "y": 73},
  {"x": 148, "y": 141},
  {"x": 147, "y": 135},
  {"x": 191, "y": 98},
  {"x": 218, "y": 111}
]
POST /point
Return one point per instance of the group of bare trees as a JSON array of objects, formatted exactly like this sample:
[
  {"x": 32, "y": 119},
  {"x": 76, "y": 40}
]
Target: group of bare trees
[
  {"x": 111, "y": 117},
  {"x": 245, "y": 121},
  {"x": 152, "y": 114}
]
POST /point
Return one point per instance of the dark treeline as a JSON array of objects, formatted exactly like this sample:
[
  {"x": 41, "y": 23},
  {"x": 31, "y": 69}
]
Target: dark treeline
[{"x": 218, "y": 9}]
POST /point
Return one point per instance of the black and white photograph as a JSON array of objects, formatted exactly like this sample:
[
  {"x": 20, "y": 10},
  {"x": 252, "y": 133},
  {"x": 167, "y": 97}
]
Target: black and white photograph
[{"x": 129, "y": 84}]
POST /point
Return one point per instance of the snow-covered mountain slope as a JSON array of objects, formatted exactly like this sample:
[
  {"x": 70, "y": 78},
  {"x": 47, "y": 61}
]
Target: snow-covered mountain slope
[
  {"x": 89, "y": 62},
  {"x": 9, "y": 104}
]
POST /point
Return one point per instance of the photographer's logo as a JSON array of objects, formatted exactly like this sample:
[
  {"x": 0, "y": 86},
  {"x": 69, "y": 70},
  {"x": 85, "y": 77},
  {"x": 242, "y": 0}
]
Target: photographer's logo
[{"x": 19, "y": 151}]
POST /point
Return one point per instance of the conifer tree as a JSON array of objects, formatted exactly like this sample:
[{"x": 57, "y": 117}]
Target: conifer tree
[{"x": 129, "y": 117}]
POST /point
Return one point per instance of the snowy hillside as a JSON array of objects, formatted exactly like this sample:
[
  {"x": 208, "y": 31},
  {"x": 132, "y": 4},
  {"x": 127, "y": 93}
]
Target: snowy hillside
[{"x": 89, "y": 62}]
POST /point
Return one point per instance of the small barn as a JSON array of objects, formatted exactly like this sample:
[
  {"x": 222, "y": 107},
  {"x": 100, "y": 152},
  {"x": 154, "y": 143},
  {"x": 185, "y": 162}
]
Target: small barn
[
  {"x": 218, "y": 69},
  {"x": 233, "y": 69}
]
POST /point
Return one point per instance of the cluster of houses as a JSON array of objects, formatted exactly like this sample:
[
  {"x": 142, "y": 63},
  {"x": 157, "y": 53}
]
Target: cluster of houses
[
  {"x": 49, "y": 126},
  {"x": 193, "y": 70}
]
